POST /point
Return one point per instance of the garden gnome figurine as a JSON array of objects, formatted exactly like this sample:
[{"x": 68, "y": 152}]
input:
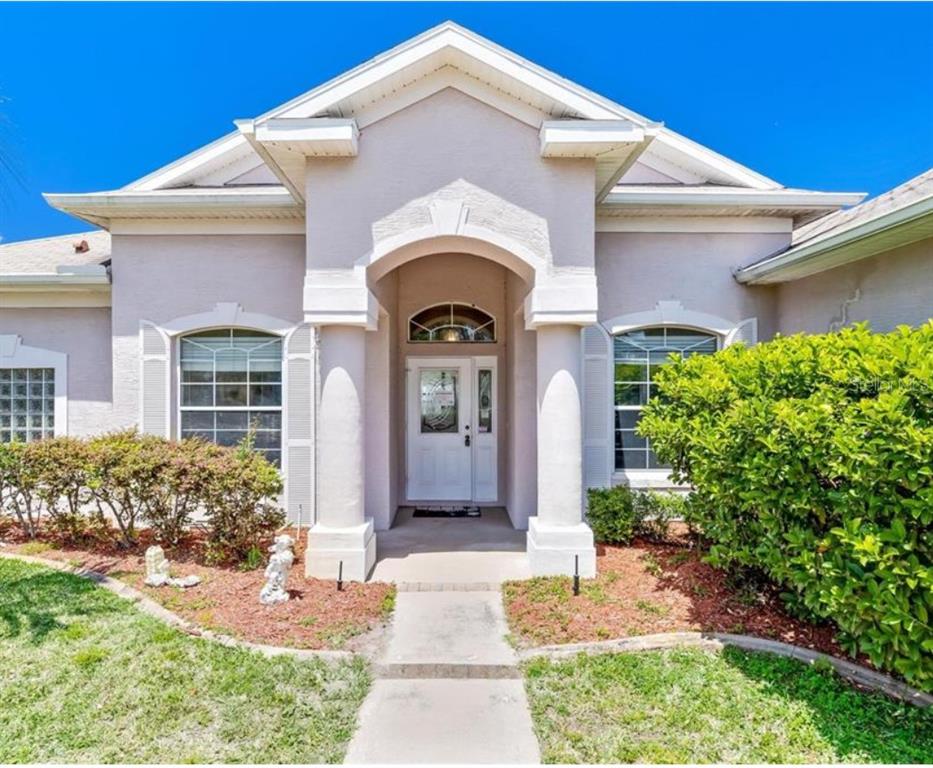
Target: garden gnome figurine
[
  {"x": 156, "y": 567},
  {"x": 280, "y": 564}
]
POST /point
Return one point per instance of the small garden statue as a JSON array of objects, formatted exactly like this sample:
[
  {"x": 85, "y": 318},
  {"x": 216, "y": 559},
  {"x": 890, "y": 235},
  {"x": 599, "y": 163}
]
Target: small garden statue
[
  {"x": 157, "y": 575},
  {"x": 277, "y": 570},
  {"x": 156, "y": 567}
]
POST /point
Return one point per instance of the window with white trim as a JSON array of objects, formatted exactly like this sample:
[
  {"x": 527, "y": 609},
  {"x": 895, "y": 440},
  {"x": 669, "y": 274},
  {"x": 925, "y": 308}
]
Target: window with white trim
[
  {"x": 639, "y": 355},
  {"x": 452, "y": 322},
  {"x": 27, "y": 404},
  {"x": 230, "y": 385}
]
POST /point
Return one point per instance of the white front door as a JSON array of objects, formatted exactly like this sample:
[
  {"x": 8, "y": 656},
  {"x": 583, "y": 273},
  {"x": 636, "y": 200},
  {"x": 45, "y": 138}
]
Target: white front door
[{"x": 450, "y": 432}]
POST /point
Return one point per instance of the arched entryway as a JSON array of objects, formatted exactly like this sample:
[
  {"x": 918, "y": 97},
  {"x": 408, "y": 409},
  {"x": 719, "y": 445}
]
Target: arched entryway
[{"x": 383, "y": 391}]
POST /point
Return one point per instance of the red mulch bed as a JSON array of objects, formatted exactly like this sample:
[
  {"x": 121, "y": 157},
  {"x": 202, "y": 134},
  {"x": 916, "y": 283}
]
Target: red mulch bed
[
  {"x": 227, "y": 599},
  {"x": 649, "y": 588}
]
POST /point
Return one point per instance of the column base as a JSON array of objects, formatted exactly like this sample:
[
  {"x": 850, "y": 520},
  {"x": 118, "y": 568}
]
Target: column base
[
  {"x": 328, "y": 547},
  {"x": 552, "y": 549}
]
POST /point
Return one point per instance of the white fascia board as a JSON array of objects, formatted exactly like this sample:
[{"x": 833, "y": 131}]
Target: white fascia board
[
  {"x": 731, "y": 196},
  {"x": 697, "y": 224},
  {"x": 84, "y": 279},
  {"x": 311, "y": 136},
  {"x": 741, "y": 174},
  {"x": 167, "y": 174},
  {"x": 196, "y": 198},
  {"x": 434, "y": 41},
  {"x": 587, "y": 138},
  {"x": 779, "y": 267}
]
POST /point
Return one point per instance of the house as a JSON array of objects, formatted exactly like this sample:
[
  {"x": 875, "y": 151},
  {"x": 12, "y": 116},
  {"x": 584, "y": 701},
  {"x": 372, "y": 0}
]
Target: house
[{"x": 443, "y": 277}]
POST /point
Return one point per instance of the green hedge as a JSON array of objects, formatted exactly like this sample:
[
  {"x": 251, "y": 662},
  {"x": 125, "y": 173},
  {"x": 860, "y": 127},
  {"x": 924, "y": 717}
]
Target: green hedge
[
  {"x": 812, "y": 459},
  {"x": 619, "y": 514},
  {"x": 105, "y": 486}
]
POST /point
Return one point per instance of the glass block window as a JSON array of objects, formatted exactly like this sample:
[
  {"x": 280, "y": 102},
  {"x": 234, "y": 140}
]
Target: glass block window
[
  {"x": 639, "y": 355},
  {"x": 451, "y": 323},
  {"x": 231, "y": 385},
  {"x": 27, "y": 404}
]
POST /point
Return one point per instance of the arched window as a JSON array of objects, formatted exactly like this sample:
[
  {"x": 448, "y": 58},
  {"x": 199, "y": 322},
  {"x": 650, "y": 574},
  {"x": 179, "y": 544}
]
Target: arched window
[
  {"x": 231, "y": 384},
  {"x": 451, "y": 322},
  {"x": 638, "y": 356}
]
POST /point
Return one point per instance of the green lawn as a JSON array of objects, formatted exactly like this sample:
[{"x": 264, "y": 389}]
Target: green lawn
[
  {"x": 85, "y": 677},
  {"x": 696, "y": 706}
]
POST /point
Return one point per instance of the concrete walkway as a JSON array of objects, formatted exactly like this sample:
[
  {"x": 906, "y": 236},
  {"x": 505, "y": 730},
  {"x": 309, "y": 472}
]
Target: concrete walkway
[{"x": 448, "y": 688}]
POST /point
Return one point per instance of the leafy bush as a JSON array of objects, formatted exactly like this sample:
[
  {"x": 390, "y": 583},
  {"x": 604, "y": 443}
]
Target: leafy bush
[
  {"x": 60, "y": 470},
  {"x": 237, "y": 503},
  {"x": 618, "y": 514},
  {"x": 18, "y": 488},
  {"x": 812, "y": 458},
  {"x": 129, "y": 478}
]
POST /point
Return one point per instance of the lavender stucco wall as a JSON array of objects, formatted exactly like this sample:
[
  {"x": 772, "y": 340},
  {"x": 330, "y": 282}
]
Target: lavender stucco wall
[
  {"x": 636, "y": 270},
  {"x": 449, "y": 146},
  {"x": 84, "y": 335},
  {"x": 163, "y": 277},
  {"x": 887, "y": 290}
]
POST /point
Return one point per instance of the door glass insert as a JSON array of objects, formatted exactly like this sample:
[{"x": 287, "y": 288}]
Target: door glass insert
[
  {"x": 439, "y": 403},
  {"x": 484, "y": 395}
]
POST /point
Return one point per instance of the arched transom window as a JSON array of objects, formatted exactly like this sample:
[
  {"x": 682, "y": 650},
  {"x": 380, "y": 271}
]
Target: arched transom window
[
  {"x": 231, "y": 384},
  {"x": 450, "y": 322},
  {"x": 638, "y": 357}
]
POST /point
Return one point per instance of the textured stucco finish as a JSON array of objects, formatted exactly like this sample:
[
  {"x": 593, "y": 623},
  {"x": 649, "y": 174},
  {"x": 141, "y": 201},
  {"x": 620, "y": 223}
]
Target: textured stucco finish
[
  {"x": 163, "y": 277},
  {"x": 887, "y": 290},
  {"x": 83, "y": 335},
  {"x": 449, "y": 146},
  {"x": 635, "y": 270}
]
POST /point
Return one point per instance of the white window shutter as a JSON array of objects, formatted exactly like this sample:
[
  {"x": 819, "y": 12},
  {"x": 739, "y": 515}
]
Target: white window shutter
[
  {"x": 298, "y": 452},
  {"x": 597, "y": 407},
  {"x": 745, "y": 332},
  {"x": 155, "y": 394}
]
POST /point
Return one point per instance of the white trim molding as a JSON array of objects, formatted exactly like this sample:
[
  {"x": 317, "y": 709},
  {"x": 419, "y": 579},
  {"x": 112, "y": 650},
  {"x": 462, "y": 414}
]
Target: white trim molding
[
  {"x": 670, "y": 313},
  {"x": 15, "y": 354},
  {"x": 227, "y": 315}
]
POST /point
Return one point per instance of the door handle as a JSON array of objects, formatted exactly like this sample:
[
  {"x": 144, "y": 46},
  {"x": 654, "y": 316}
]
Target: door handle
[{"x": 466, "y": 440}]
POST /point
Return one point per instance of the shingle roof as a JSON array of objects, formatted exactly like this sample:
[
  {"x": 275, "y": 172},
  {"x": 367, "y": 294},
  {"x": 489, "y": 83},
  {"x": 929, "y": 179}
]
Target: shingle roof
[
  {"x": 42, "y": 256},
  {"x": 917, "y": 188}
]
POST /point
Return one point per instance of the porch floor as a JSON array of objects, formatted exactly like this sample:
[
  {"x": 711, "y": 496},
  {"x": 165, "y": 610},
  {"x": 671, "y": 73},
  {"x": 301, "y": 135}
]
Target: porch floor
[{"x": 460, "y": 550}]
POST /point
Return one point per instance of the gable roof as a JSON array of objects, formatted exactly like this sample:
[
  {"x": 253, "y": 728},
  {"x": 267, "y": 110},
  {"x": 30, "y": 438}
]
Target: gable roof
[
  {"x": 449, "y": 55},
  {"x": 898, "y": 217}
]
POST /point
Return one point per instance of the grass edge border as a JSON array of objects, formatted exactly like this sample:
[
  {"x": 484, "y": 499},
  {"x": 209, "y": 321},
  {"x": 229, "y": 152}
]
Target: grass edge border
[{"x": 854, "y": 673}]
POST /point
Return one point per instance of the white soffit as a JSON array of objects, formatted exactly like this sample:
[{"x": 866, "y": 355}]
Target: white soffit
[
  {"x": 312, "y": 137},
  {"x": 660, "y": 200},
  {"x": 262, "y": 202},
  {"x": 477, "y": 66}
]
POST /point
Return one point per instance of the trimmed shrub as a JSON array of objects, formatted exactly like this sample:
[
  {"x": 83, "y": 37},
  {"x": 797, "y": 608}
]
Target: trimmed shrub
[
  {"x": 60, "y": 470},
  {"x": 237, "y": 504},
  {"x": 127, "y": 478},
  {"x": 812, "y": 459},
  {"x": 618, "y": 514},
  {"x": 18, "y": 488}
]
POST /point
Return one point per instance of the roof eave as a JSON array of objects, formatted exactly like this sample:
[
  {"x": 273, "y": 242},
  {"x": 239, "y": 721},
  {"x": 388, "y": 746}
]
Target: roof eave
[{"x": 826, "y": 252}]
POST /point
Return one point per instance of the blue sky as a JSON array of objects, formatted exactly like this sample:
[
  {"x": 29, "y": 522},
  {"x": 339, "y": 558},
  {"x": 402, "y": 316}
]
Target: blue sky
[{"x": 827, "y": 96}]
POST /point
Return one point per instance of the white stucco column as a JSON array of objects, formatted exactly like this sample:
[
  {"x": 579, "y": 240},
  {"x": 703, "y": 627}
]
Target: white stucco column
[
  {"x": 558, "y": 533},
  {"x": 341, "y": 531}
]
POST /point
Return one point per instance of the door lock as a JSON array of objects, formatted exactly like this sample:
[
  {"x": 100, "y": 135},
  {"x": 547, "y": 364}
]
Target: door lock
[{"x": 466, "y": 440}]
